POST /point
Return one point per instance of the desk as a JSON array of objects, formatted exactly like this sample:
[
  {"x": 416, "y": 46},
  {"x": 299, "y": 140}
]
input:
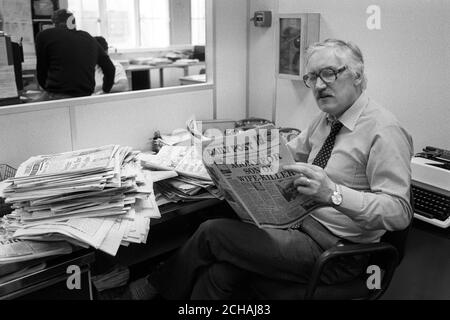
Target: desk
[
  {"x": 50, "y": 282},
  {"x": 193, "y": 79},
  {"x": 139, "y": 75},
  {"x": 177, "y": 222}
]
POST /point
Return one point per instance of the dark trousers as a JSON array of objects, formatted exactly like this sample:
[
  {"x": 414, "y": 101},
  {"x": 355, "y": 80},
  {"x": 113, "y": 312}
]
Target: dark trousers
[{"x": 223, "y": 254}]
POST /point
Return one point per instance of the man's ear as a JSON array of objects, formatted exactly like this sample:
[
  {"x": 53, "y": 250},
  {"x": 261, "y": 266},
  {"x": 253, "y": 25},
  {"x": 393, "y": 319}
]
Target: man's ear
[{"x": 358, "y": 79}]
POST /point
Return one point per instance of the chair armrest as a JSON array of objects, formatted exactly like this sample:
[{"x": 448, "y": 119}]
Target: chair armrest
[{"x": 342, "y": 250}]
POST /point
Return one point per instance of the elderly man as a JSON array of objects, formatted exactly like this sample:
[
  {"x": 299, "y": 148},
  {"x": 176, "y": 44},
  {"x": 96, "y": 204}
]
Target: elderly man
[
  {"x": 66, "y": 60},
  {"x": 356, "y": 162}
]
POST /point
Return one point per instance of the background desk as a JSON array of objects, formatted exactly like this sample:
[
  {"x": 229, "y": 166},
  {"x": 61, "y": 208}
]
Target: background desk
[
  {"x": 193, "y": 79},
  {"x": 139, "y": 75}
]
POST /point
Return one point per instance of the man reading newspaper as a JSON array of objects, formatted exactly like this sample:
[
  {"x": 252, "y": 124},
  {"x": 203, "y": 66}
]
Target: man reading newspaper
[{"x": 357, "y": 165}]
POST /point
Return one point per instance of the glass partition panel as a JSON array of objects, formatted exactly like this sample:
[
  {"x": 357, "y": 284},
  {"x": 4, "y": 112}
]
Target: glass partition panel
[{"x": 158, "y": 43}]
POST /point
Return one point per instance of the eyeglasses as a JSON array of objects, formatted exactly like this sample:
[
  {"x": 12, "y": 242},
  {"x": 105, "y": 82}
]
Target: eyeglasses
[{"x": 327, "y": 75}]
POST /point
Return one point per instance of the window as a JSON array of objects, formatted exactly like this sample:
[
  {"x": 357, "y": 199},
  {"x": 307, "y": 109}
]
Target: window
[
  {"x": 125, "y": 23},
  {"x": 154, "y": 23},
  {"x": 198, "y": 22},
  {"x": 118, "y": 25},
  {"x": 87, "y": 15}
]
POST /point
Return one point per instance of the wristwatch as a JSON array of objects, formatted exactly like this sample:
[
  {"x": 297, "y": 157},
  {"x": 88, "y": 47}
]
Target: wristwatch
[{"x": 336, "y": 197}]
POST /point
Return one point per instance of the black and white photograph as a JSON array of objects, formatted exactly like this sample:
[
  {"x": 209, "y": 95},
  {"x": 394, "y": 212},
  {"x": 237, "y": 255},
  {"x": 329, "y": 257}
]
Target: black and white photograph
[{"x": 92, "y": 90}]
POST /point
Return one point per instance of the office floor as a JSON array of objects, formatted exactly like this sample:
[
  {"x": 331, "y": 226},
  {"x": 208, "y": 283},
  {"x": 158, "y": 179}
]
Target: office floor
[{"x": 424, "y": 274}]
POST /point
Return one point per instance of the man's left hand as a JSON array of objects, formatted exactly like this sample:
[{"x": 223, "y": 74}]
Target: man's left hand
[{"x": 313, "y": 182}]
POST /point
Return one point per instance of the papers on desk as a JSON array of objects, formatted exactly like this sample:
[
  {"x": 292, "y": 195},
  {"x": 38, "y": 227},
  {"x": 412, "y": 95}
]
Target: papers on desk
[
  {"x": 95, "y": 197},
  {"x": 186, "y": 61},
  {"x": 174, "y": 190},
  {"x": 16, "y": 250},
  {"x": 8, "y": 87},
  {"x": 181, "y": 137},
  {"x": 151, "y": 61},
  {"x": 185, "y": 160},
  {"x": 192, "y": 183}
]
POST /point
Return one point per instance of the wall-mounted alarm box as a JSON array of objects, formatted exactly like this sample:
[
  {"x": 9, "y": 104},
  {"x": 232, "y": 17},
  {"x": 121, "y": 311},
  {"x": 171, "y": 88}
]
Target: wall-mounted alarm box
[{"x": 262, "y": 18}]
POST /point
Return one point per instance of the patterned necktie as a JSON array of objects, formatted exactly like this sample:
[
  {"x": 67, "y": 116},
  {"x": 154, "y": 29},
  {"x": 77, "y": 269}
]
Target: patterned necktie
[{"x": 325, "y": 152}]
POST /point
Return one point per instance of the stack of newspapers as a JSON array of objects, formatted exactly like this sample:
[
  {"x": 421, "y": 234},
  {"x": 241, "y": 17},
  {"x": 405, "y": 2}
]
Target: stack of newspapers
[
  {"x": 191, "y": 181},
  {"x": 94, "y": 197}
]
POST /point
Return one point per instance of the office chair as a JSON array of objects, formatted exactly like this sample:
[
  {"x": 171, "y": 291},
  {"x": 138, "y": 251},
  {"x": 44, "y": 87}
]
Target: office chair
[{"x": 387, "y": 254}]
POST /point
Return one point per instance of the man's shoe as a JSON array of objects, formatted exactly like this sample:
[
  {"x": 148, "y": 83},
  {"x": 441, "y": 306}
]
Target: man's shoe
[{"x": 142, "y": 289}]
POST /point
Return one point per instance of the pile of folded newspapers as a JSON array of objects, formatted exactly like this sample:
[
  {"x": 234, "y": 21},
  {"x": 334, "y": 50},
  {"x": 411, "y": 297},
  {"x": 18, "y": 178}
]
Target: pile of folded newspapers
[
  {"x": 185, "y": 177},
  {"x": 94, "y": 197}
]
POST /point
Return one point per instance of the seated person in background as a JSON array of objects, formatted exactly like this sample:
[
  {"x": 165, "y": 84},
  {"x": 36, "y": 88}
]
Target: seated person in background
[
  {"x": 357, "y": 163},
  {"x": 66, "y": 60},
  {"x": 120, "y": 78}
]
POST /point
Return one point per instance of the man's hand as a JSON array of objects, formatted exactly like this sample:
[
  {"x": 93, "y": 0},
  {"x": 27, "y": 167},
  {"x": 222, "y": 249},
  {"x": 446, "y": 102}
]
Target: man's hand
[{"x": 313, "y": 182}]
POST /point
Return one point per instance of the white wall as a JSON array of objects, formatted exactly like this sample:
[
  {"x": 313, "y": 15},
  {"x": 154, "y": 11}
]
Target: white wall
[
  {"x": 407, "y": 63},
  {"x": 262, "y": 84},
  {"x": 133, "y": 123},
  {"x": 32, "y": 133},
  {"x": 231, "y": 19}
]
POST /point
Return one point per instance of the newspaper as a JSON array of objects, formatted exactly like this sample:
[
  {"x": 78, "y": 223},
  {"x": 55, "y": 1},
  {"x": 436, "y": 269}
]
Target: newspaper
[
  {"x": 16, "y": 250},
  {"x": 96, "y": 197},
  {"x": 88, "y": 160},
  {"x": 247, "y": 168},
  {"x": 185, "y": 160}
]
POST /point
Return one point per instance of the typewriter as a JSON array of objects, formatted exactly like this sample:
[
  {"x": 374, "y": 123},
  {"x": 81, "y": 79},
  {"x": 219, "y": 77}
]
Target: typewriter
[{"x": 431, "y": 186}]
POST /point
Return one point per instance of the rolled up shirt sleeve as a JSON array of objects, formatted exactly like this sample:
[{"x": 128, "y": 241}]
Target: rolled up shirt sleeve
[{"x": 387, "y": 204}]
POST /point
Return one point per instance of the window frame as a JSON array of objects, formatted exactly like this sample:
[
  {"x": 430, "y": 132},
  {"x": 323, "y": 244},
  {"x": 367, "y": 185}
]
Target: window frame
[{"x": 103, "y": 26}]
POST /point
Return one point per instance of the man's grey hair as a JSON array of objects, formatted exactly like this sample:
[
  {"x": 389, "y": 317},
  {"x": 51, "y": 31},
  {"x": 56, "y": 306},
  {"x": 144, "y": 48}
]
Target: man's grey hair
[
  {"x": 347, "y": 52},
  {"x": 60, "y": 17}
]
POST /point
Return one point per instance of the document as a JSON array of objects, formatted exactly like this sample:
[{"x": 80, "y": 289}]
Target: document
[
  {"x": 15, "y": 250},
  {"x": 3, "y": 52},
  {"x": 160, "y": 175},
  {"x": 91, "y": 231},
  {"x": 87, "y": 160},
  {"x": 8, "y": 87},
  {"x": 112, "y": 241},
  {"x": 185, "y": 160}
]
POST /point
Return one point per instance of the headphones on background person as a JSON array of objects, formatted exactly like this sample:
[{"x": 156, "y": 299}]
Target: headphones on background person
[{"x": 64, "y": 17}]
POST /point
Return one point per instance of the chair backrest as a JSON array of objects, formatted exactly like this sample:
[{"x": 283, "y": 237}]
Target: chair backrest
[{"x": 398, "y": 240}]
